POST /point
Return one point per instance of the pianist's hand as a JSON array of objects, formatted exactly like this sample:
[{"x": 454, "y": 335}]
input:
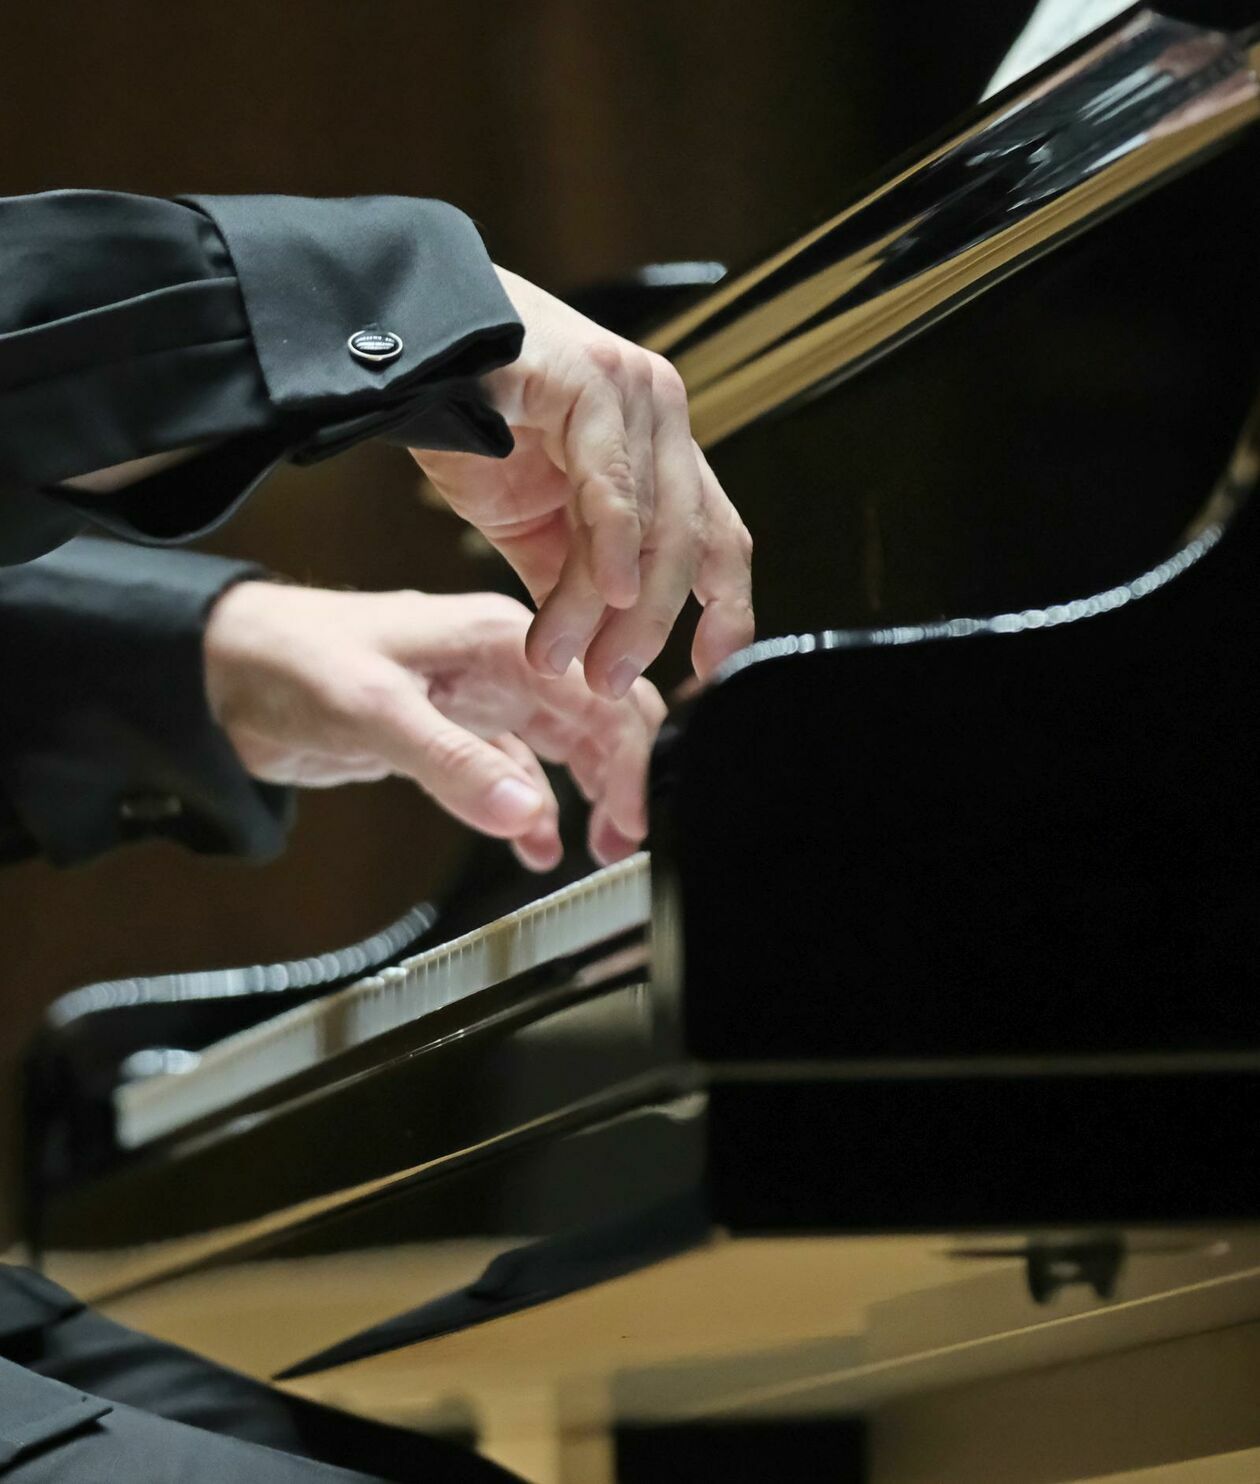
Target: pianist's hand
[
  {"x": 318, "y": 688},
  {"x": 607, "y": 509}
]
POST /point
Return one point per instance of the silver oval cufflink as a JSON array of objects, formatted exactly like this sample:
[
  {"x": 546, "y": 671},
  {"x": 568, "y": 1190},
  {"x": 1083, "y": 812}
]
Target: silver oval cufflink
[{"x": 375, "y": 346}]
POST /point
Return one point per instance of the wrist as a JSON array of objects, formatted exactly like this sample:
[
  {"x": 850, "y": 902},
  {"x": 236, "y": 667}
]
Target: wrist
[{"x": 233, "y": 620}]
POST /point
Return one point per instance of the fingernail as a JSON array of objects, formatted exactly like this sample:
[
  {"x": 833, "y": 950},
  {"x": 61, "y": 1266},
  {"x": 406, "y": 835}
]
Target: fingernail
[
  {"x": 622, "y": 676},
  {"x": 514, "y": 803},
  {"x": 562, "y": 654}
]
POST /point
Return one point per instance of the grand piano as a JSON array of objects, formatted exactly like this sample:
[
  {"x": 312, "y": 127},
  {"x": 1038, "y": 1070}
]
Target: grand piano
[{"x": 906, "y": 1095}]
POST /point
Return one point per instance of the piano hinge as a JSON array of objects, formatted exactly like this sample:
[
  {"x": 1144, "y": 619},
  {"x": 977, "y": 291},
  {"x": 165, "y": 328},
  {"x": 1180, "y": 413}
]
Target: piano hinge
[{"x": 1052, "y": 1266}]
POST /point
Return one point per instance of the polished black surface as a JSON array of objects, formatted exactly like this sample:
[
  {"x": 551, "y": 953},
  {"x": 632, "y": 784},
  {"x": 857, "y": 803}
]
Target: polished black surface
[
  {"x": 743, "y": 1454},
  {"x": 986, "y": 173},
  {"x": 1051, "y": 439},
  {"x": 102, "y": 1034},
  {"x": 1044, "y": 841},
  {"x": 473, "y": 1073},
  {"x": 636, "y": 303}
]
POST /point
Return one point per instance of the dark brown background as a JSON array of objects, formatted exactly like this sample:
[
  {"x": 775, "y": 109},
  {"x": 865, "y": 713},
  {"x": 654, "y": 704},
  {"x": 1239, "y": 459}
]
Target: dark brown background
[{"x": 586, "y": 138}]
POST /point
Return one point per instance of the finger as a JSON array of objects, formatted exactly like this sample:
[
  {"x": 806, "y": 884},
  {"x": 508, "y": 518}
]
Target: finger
[
  {"x": 475, "y": 781},
  {"x": 601, "y": 469},
  {"x": 629, "y": 641},
  {"x": 476, "y": 674},
  {"x": 605, "y": 841},
  {"x": 627, "y": 788},
  {"x": 535, "y": 550},
  {"x": 724, "y": 581},
  {"x": 566, "y": 708},
  {"x": 540, "y": 847},
  {"x": 576, "y": 739},
  {"x": 570, "y": 614},
  {"x": 610, "y": 763},
  {"x": 589, "y": 768},
  {"x": 519, "y": 504},
  {"x": 626, "y": 781},
  {"x": 640, "y": 413},
  {"x": 624, "y": 797},
  {"x": 604, "y": 744},
  {"x": 550, "y": 736},
  {"x": 650, "y": 705}
]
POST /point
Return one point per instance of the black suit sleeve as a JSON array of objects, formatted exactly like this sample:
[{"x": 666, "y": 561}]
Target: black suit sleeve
[
  {"x": 131, "y": 326},
  {"x": 105, "y": 732}
]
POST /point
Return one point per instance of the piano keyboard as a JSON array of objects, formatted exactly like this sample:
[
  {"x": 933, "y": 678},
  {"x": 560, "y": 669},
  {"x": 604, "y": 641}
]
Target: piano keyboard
[{"x": 575, "y": 918}]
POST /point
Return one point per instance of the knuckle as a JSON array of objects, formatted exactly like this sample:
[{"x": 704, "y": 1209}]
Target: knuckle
[
  {"x": 694, "y": 534},
  {"x": 668, "y": 385},
  {"x": 655, "y": 626},
  {"x": 501, "y": 618},
  {"x": 616, "y": 477},
  {"x": 742, "y": 621},
  {"x": 486, "y": 621},
  {"x": 407, "y": 604},
  {"x": 605, "y": 358},
  {"x": 639, "y": 369}
]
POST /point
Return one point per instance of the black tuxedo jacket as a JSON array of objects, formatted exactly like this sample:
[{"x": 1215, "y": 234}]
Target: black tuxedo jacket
[
  {"x": 105, "y": 732},
  {"x": 132, "y": 326},
  {"x": 83, "y": 1399}
]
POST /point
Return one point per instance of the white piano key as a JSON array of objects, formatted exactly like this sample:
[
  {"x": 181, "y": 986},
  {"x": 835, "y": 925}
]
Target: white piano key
[{"x": 570, "y": 920}]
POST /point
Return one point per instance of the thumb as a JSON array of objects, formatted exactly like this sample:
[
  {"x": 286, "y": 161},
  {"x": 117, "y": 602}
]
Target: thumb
[{"x": 469, "y": 777}]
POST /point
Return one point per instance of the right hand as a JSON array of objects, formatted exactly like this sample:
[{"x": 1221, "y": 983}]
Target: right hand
[
  {"x": 606, "y": 508},
  {"x": 317, "y": 688}
]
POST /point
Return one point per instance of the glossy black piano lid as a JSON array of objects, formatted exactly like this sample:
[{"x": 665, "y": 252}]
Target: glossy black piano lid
[
  {"x": 1039, "y": 842},
  {"x": 1034, "y": 844},
  {"x": 1050, "y": 439}
]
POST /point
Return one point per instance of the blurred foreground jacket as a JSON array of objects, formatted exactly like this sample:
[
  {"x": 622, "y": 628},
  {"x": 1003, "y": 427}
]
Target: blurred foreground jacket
[
  {"x": 84, "y": 1400},
  {"x": 105, "y": 732},
  {"x": 252, "y": 328}
]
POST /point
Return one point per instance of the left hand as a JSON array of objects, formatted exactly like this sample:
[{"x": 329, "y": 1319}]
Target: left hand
[
  {"x": 607, "y": 509},
  {"x": 319, "y": 688}
]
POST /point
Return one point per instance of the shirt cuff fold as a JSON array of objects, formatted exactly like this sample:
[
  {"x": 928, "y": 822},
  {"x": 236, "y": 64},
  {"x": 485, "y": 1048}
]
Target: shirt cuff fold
[
  {"x": 226, "y": 322},
  {"x": 314, "y": 273}
]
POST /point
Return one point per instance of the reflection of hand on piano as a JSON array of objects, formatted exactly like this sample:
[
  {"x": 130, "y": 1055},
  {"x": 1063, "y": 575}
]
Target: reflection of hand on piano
[{"x": 320, "y": 688}]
